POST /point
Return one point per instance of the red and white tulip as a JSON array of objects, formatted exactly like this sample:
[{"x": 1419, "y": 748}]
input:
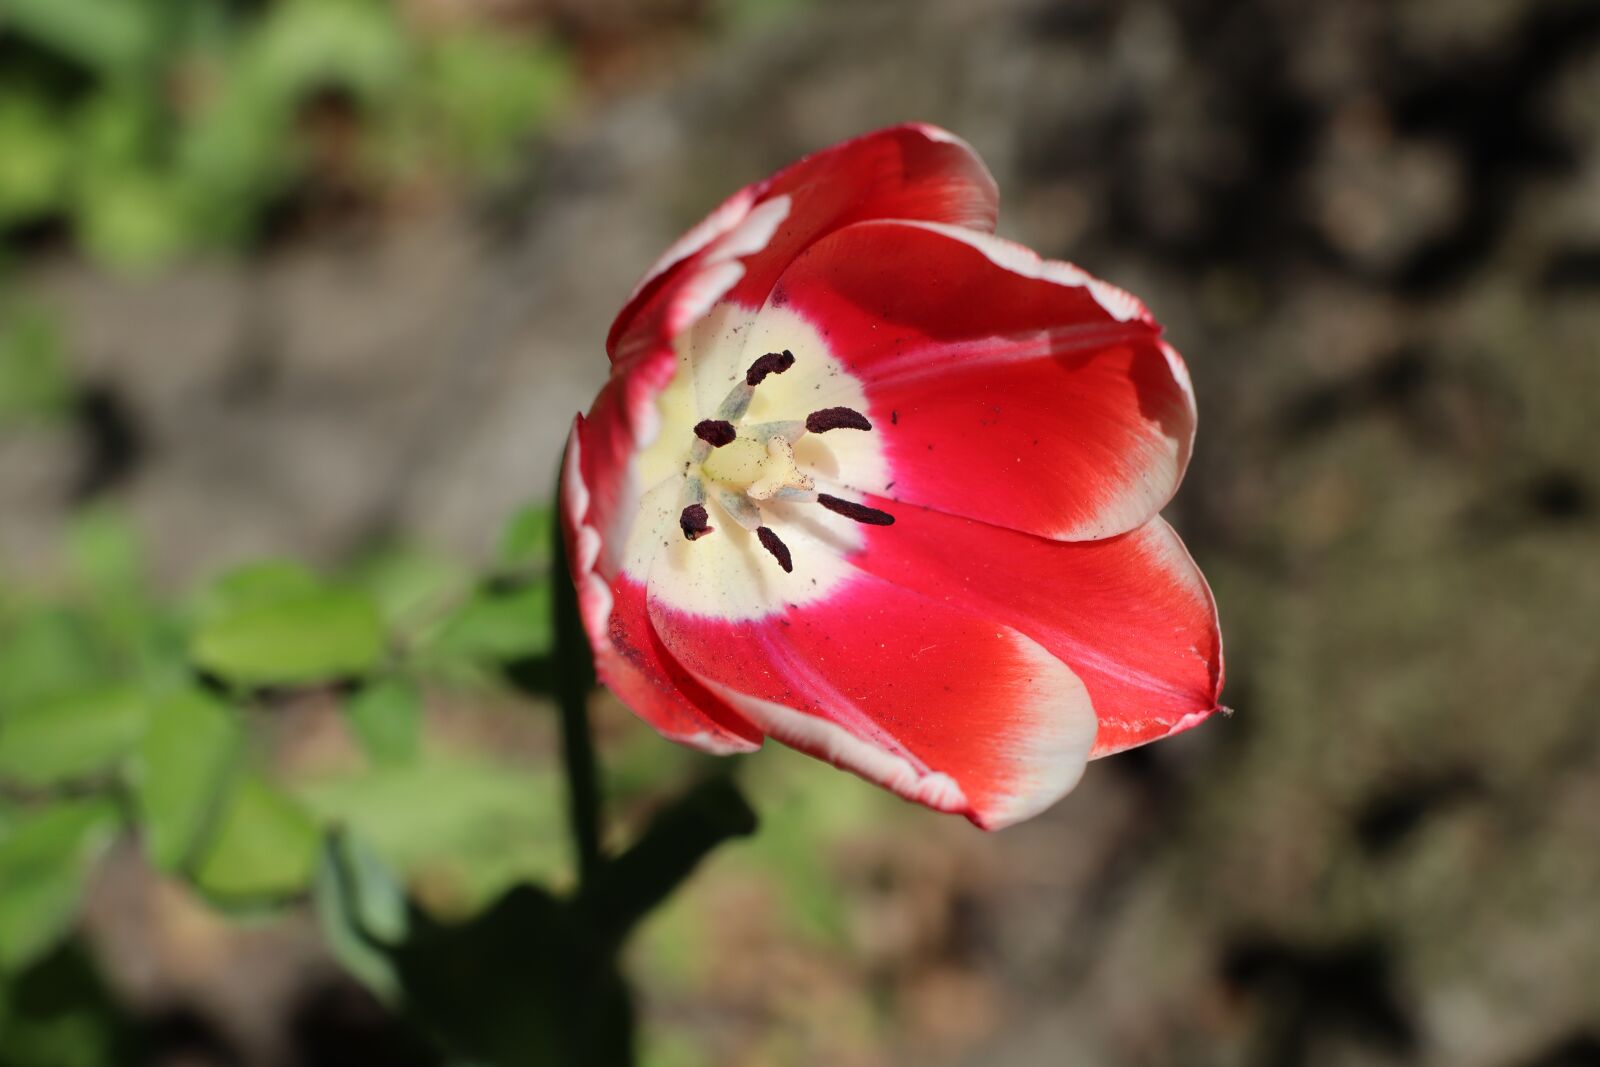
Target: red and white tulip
[{"x": 873, "y": 482}]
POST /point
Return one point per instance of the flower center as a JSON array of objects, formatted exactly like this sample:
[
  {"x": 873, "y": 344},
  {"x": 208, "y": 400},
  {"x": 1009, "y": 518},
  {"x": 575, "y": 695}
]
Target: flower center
[
  {"x": 740, "y": 467},
  {"x": 755, "y": 466}
]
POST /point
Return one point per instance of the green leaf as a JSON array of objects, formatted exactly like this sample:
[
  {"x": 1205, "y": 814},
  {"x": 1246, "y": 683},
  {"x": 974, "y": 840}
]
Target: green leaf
[
  {"x": 498, "y": 626},
  {"x": 265, "y": 847},
  {"x": 527, "y": 542},
  {"x": 461, "y": 830},
  {"x": 377, "y": 898},
  {"x": 304, "y": 45},
  {"x": 234, "y": 154},
  {"x": 105, "y": 550},
  {"x": 494, "y": 91},
  {"x": 182, "y": 770},
  {"x": 70, "y": 737},
  {"x": 360, "y": 904},
  {"x": 44, "y": 860},
  {"x": 410, "y": 586},
  {"x": 277, "y": 624},
  {"x": 386, "y": 717},
  {"x": 259, "y": 584},
  {"x": 33, "y": 158},
  {"x": 134, "y": 219},
  {"x": 102, "y": 36},
  {"x": 139, "y": 635},
  {"x": 48, "y": 653},
  {"x": 33, "y": 376},
  {"x": 59, "y": 1013}
]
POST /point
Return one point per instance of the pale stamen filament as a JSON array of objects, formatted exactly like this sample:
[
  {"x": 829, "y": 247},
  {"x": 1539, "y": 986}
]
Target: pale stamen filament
[{"x": 739, "y": 508}]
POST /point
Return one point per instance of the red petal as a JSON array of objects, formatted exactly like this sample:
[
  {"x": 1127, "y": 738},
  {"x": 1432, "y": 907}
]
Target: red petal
[
  {"x": 1007, "y": 389},
  {"x": 905, "y": 172},
  {"x": 928, "y": 700},
  {"x": 909, "y": 171},
  {"x": 1131, "y": 615},
  {"x": 645, "y": 676},
  {"x": 628, "y": 658}
]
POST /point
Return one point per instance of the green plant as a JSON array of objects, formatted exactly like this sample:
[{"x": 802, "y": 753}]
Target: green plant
[
  {"x": 432, "y": 872},
  {"x": 153, "y": 129}
]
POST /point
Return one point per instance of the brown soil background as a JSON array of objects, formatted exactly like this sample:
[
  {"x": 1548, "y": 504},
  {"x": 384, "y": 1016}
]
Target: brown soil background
[{"x": 1374, "y": 231}]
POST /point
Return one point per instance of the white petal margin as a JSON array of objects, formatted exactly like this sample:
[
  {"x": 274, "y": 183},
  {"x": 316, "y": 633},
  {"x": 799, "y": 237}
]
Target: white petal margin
[
  {"x": 1128, "y": 317},
  {"x": 834, "y": 744},
  {"x": 723, "y": 218},
  {"x": 723, "y": 266},
  {"x": 1047, "y": 753},
  {"x": 1019, "y": 259},
  {"x": 1051, "y": 747},
  {"x": 594, "y": 594}
]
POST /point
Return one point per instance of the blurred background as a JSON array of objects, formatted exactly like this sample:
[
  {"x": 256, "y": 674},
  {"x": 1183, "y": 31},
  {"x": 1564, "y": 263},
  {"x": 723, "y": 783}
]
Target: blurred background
[{"x": 325, "y": 281}]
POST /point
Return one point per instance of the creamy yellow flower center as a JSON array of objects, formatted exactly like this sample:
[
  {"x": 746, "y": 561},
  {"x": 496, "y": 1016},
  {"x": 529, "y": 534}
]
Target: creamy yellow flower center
[
  {"x": 741, "y": 469},
  {"x": 710, "y": 532}
]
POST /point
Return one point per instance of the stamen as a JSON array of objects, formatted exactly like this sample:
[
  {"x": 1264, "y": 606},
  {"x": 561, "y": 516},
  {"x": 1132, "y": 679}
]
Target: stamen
[
  {"x": 856, "y": 512},
  {"x": 779, "y": 550},
  {"x": 694, "y": 522},
  {"x": 836, "y": 419},
  {"x": 771, "y": 363},
  {"x": 715, "y": 432},
  {"x": 737, "y": 402}
]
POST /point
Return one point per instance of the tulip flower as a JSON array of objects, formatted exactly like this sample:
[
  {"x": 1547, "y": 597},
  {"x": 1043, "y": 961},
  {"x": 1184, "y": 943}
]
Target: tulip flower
[{"x": 875, "y": 483}]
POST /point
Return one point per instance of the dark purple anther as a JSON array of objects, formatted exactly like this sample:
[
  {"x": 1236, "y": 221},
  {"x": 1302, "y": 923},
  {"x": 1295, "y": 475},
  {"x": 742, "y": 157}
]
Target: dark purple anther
[
  {"x": 771, "y": 363},
  {"x": 836, "y": 419},
  {"x": 857, "y": 512},
  {"x": 715, "y": 432},
  {"x": 779, "y": 550},
  {"x": 693, "y": 522}
]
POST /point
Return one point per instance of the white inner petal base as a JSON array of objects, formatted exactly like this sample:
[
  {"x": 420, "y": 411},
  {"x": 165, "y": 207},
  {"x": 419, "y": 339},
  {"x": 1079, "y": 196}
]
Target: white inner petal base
[{"x": 728, "y": 574}]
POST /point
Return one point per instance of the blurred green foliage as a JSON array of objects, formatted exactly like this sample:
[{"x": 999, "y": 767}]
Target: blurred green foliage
[
  {"x": 34, "y": 383},
  {"x": 115, "y": 706},
  {"x": 59, "y": 1014},
  {"x": 434, "y": 869},
  {"x": 121, "y": 713},
  {"x": 151, "y": 128}
]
